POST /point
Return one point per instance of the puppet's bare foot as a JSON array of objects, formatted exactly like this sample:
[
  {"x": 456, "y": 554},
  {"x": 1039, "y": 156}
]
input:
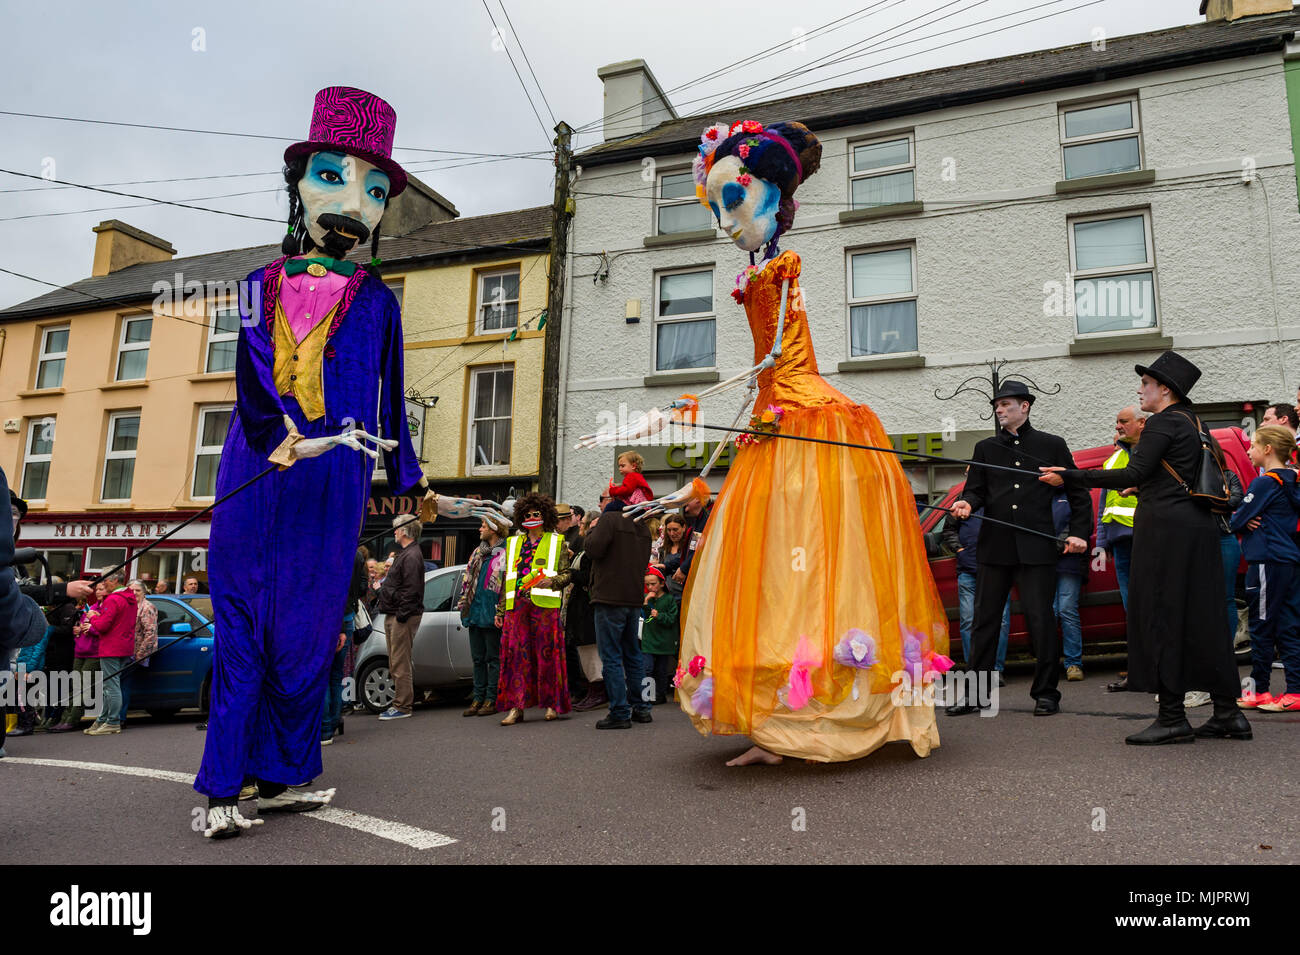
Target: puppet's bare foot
[{"x": 755, "y": 755}]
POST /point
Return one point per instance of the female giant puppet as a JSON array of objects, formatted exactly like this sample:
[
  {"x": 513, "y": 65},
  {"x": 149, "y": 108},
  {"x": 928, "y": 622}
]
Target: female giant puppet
[
  {"x": 809, "y": 595},
  {"x": 321, "y": 340}
]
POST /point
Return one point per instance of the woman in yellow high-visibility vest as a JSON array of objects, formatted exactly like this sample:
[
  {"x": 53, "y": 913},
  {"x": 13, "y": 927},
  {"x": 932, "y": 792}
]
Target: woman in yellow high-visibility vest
[{"x": 533, "y": 671}]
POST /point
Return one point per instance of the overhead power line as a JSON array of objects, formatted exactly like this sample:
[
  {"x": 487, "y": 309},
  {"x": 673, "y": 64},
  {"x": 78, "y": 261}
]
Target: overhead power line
[
  {"x": 132, "y": 195},
  {"x": 828, "y": 27},
  {"x": 505, "y": 46},
  {"x": 239, "y": 135},
  {"x": 528, "y": 63}
]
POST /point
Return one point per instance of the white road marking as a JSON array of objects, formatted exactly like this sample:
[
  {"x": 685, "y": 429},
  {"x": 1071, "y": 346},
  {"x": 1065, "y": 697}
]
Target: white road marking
[
  {"x": 164, "y": 774},
  {"x": 383, "y": 828},
  {"x": 372, "y": 825}
]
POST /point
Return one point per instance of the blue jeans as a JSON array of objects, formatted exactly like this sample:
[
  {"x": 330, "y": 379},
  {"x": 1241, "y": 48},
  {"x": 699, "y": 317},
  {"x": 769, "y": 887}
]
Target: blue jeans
[
  {"x": 333, "y": 710},
  {"x": 1231, "y": 551},
  {"x": 620, "y": 657},
  {"x": 111, "y": 710},
  {"x": 1066, "y": 608},
  {"x": 966, "y": 611},
  {"x": 1121, "y": 552}
]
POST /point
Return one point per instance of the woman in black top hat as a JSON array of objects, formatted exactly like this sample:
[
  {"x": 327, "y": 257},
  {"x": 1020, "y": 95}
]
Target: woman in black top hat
[{"x": 1175, "y": 636}]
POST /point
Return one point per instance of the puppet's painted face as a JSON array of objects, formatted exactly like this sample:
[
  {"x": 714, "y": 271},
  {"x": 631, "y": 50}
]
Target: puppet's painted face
[
  {"x": 343, "y": 198},
  {"x": 746, "y": 212}
]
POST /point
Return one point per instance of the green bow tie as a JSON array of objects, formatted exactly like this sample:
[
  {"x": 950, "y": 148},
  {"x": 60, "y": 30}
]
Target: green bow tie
[{"x": 298, "y": 266}]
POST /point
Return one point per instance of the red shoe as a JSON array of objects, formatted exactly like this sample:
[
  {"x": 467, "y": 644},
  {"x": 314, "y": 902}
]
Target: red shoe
[
  {"x": 1255, "y": 701},
  {"x": 1286, "y": 703}
]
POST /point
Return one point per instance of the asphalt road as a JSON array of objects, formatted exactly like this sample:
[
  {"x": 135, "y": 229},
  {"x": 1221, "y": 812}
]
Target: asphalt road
[{"x": 1013, "y": 788}]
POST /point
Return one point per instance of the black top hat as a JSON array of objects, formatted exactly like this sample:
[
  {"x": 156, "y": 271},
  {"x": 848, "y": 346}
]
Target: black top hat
[
  {"x": 1174, "y": 370},
  {"x": 1012, "y": 389}
]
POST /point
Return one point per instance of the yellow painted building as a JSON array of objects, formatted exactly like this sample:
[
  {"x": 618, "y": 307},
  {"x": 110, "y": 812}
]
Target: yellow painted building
[{"x": 115, "y": 394}]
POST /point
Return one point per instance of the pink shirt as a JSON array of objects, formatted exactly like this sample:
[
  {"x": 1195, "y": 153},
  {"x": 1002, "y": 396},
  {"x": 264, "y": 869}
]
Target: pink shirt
[{"x": 307, "y": 299}]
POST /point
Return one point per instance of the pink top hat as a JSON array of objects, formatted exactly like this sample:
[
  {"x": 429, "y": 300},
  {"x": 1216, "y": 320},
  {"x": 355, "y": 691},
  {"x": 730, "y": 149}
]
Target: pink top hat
[{"x": 355, "y": 122}]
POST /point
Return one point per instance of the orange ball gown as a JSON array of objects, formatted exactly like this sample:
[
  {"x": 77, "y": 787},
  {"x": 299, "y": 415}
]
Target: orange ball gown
[{"x": 805, "y": 545}]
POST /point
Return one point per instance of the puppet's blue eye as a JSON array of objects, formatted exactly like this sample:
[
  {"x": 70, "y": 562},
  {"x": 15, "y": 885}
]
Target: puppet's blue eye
[{"x": 733, "y": 194}]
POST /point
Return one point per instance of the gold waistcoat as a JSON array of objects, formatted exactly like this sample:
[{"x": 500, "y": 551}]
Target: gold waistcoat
[{"x": 298, "y": 368}]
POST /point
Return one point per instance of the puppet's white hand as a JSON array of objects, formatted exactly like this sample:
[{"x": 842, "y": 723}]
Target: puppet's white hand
[
  {"x": 696, "y": 490},
  {"x": 495, "y": 514},
  {"x": 643, "y": 426},
  {"x": 351, "y": 438}
]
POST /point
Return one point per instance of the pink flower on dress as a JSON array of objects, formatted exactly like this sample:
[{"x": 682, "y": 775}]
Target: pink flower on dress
[
  {"x": 743, "y": 151},
  {"x": 679, "y": 676},
  {"x": 696, "y": 666},
  {"x": 751, "y": 126},
  {"x": 799, "y": 690},
  {"x": 744, "y": 179}
]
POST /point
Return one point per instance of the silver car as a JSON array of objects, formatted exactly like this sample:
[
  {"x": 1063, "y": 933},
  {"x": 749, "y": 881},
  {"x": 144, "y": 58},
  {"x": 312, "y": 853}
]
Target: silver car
[{"x": 440, "y": 657}]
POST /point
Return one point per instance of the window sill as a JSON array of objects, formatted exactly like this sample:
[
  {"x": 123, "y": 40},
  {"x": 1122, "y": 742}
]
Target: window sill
[
  {"x": 123, "y": 506},
  {"x": 882, "y": 212},
  {"x": 124, "y": 385},
  {"x": 681, "y": 378},
  {"x": 213, "y": 376},
  {"x": 1137, "y": 177},
  {"x": 41, "y": 393},
  {"x": 680, "y": 238},
  {"x": 1105, "y": 344},
  {"x": 882, "y": 362}
]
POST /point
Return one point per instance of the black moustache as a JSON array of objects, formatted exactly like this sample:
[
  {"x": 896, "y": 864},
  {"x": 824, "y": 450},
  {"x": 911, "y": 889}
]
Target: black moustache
[{"x": 336, "y": 243}]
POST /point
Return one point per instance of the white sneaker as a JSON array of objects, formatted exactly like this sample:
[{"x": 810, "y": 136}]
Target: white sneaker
[
  {"x": 295, "y": 800},
  {"x": 1277, "y": 665},
  {"x": 1195, "y": 698},
  {"x": 225, "y": 821},
  {"x": 104, "y": 729},
  {"x": 90, "y": 730}
]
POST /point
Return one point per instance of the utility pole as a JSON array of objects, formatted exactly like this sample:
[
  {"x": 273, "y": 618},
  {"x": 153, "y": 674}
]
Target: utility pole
[{"x": 561, "y": 212}]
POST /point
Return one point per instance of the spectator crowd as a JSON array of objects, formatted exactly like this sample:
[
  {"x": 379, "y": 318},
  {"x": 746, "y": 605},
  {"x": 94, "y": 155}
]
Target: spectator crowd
[{"x": 576, "y": 609}]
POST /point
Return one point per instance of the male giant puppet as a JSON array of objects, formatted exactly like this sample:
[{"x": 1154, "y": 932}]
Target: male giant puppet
[{"x": 321, "y": 339}]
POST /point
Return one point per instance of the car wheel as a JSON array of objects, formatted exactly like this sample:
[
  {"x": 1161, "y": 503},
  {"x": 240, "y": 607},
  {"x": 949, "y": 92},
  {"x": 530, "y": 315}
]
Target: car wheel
[{"x": 377, "y": 690}]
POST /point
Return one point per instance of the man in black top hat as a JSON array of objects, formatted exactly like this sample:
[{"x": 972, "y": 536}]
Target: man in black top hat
[{"x": 1006, "y": 556}]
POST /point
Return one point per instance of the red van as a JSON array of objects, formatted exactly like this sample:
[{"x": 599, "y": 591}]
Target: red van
[{"x": 1100, "y": 609}]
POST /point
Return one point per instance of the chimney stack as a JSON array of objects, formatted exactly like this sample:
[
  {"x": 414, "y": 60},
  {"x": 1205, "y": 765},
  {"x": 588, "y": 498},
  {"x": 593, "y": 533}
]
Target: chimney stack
[
  {"x": 118, "y": 245},
  {"x": 634, "y": 102},
  {"x": 1236, "y": 9},
  {"x": 418, "y": 206}
]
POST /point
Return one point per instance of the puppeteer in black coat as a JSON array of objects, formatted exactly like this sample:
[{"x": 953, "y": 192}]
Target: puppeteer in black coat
[
  {"x": 1006, "y": 556},
  {"x": 1176, "y": 636}
]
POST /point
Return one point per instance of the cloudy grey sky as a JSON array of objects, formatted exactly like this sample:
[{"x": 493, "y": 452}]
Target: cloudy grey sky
[{"x": 248, "y": 67}]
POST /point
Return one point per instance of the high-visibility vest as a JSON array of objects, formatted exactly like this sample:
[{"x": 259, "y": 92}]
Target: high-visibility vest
[
  {"x": 1118, "y": 509},
  {"x": 545, "y": 558}
]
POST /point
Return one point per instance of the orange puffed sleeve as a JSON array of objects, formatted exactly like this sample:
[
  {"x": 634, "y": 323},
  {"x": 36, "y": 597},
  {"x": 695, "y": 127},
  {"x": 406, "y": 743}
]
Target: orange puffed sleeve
[{"x": 787, "y": 265}]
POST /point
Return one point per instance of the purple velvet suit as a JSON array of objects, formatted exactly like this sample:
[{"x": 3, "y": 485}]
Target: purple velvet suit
[{"x": 281, "y": 551}]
